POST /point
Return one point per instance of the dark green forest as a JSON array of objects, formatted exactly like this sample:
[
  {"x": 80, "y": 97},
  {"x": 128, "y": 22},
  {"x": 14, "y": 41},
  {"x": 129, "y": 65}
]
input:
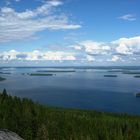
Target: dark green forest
[{"x": 33, "y": 121}]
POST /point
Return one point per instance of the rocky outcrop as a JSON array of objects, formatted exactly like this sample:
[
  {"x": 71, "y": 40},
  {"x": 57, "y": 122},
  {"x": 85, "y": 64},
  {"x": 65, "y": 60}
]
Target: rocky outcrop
[{"x": 8, "y": 135}]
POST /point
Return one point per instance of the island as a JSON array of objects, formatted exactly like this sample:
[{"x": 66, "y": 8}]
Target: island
[
  {"x": 116, "y": 71},
  {"x": 56, "y": 71},
  {"x": 137, "y": 76},
  {"x": 138, "y": 94},
  {"x": 131, "y": 72},
  {"x": 5, "y": 73},
  {"x": 110, "y": 75},
  {"x": 40, "y": 74},
  {"x": 2, "y": 79}
]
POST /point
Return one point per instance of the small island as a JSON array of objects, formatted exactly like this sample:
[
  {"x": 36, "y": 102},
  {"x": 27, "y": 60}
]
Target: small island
[
  {"x": 40, "y": 74},
  {"x": 131, "y": 72},
  {"x": 137, "y": 76},
  {"x": 22, "y": 73},
  {"x": 116, "y": 71},
  {"x": 56, "y": 71},
  {"x": 110, "y": 75},
  {"x": 2, "y": 79},
  {"x": 5, "y": 73},
  {"x": 138, "y": 94}
]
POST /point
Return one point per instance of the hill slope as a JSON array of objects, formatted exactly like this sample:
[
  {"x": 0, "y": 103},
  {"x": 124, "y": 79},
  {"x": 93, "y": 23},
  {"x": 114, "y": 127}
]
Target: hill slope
[{"x": 37, "y": 122}]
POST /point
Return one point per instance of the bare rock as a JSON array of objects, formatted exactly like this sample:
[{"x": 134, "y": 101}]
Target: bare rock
[{"x": 8, "y": 135}]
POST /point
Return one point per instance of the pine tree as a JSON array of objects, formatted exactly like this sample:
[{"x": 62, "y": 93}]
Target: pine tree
[{"x": 4, "y": 92}]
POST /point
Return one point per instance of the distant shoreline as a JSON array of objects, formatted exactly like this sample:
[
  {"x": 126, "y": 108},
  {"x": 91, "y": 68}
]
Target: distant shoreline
[{"x": 92, "y": 67}]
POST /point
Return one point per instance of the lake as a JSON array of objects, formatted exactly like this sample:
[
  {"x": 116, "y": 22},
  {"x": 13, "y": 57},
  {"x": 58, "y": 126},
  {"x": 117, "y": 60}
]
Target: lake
[{"x": 84, "y": 88}]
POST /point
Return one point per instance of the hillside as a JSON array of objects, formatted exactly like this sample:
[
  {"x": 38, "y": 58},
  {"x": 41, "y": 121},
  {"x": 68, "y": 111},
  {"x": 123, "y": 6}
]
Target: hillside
[{"x": 37, "y": 122}]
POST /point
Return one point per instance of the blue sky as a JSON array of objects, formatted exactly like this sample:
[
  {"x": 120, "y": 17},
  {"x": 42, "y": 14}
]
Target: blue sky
[{"x": 69, "y": 32}]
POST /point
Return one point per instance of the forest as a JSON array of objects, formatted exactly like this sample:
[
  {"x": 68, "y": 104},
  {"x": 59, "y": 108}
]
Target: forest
[{"x": 33, "y": 121}]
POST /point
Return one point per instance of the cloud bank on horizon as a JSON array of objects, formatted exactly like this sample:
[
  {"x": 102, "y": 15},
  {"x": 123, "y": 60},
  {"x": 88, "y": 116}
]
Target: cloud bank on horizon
[{"x": 23, "y": 32}]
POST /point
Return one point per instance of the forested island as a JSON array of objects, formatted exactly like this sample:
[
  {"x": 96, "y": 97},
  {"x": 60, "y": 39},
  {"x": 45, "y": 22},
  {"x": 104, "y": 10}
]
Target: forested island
[
  {"x": 5, "y": 73},
  {"x": 137, "y": 94},
  {"x": 137, "y": 76},
  {"x": 54, "y": 71},
  {"x": 129, "y": 72},
  {"x": 2, "y": 79},
  {"x": 115, "y": 70},
  {"x": 40, "y": 74},
  {"x": 110, "y": 75},
  {"x": 33, "y": 121}
]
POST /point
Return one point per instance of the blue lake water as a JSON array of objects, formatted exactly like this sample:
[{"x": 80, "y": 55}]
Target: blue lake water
[{"x": 86, "y": 88}]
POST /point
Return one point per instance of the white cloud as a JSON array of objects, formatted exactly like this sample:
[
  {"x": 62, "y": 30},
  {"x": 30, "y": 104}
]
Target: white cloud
[
  {"x": 90, "y": 58},
  {"x": 94, "y": 48},
  {"x": 16, "y": 25},
  {"x": 55, "y": 2},
  {"x": 123, "y": 49},
  {"x": 37, "y": 56},
  {"x": 127, "y": 46},
  {"x": 115, "y": 58},
  {"x": 70, "y": 57},
  {"x": 122, "y": 46},
  {"x": 11, "y": 55},
  {"x": 76, "y": 47},
  {"x": 128, "y": 17}
]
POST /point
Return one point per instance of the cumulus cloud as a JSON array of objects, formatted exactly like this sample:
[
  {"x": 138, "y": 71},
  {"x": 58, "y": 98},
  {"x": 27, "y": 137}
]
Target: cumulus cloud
[
  {"x": 121, "y": 50},
  {"x": 95, "y": 48},
  {"x": 115, "y": 58},
  {"x": 37, "y": 56},
  {"x": 76, "y": 47},
  {"x": 16, "y": 25},
  {"x": 128, "y": 17},
  {"x": 90, "y": 58},
  {"x": 118, "y": 50},
  {"x": 127, "y": 46}
]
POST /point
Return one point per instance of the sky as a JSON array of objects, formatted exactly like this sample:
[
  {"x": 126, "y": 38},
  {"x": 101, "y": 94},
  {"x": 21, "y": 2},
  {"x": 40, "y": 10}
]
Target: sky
[{"x": 69, "y": 32}]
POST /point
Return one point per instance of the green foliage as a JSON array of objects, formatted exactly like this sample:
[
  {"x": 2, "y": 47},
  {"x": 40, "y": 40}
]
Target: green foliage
[
  {"x": 37, "y": 122},
  {"x": 4, "y": 92}
]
